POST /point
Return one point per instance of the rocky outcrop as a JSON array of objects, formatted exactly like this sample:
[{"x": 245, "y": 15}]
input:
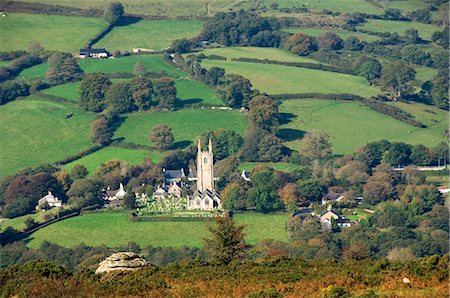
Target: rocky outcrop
[{"x": 121, "y": 261}]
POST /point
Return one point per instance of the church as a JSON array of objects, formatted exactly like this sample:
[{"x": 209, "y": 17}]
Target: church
[{"x": 205, "y": 197}]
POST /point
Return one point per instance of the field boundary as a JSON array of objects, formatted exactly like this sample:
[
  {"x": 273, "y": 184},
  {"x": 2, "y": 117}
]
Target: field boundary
[
  {"x": 54, "y": 98},
  {"x": 47, "y": 9}
]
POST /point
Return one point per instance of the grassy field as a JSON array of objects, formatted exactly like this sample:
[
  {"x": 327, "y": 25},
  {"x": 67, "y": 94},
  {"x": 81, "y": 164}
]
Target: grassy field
[
  {"x": 344, "y": 34},
  {"x": 67, "y": 34},
  {"x": 258, "y": 53},
  {"x": 35, "y": 131},
  {"x": 190, "y": 91},
  {"x": 334, "y": 5},
  {"x": 406, "y": 6},
  {"x": 171, "y": 8},
  {"x": 277, "y": 79},
  {"x": 124, "y": 64},
  {"x": 4, "y": 63},
  {"x": 114, "y": 229},
  {"x": 154, "y": 35},
  {"x": 186, "y": 124},
  {"x": 18, "y": 223},
  {"x": 351, "y": 125},
  {"x": 153, "y": 63},
  {"x": 279, "y": 166},
  {"x": 425, "y": 73},
  {"x": 425, "y": 30},
  {"x": 131, "y": 156}
]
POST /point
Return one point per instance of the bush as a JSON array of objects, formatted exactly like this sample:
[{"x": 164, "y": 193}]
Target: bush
[
  {"x": 10, "y": 90},
  {"x": 16, "y": 66}
]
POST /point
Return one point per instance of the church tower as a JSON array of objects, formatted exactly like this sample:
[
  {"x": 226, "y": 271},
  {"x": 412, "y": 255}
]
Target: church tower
[{"x": 205, "y": 168}]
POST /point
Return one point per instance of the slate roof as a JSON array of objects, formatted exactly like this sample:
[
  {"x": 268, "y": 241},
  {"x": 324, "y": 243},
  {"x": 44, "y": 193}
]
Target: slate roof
[
  {"x": 93, "y": 51},
  {"x": 331, "y": 196},
  {"x": 173, "y": 174}
]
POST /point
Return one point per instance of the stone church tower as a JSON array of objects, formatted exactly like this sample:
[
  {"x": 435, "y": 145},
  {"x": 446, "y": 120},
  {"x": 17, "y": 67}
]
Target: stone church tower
[{"x": 205, "y": 168}]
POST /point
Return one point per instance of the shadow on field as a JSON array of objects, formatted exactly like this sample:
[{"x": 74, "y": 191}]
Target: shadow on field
[
  {"x": 289, "y": 134},
  {"x": 125, "y": 21},
  {"x": 181, "y": 144},
  {"x": 181, "y": 103},
  {"x": 285, "y": 118}
]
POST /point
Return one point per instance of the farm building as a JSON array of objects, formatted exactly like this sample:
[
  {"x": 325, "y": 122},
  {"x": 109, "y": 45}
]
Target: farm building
[
  {"x": 94, "y": 53},
  {"x": 49, "y": 200},
  {"x": 328, "y": 216}
]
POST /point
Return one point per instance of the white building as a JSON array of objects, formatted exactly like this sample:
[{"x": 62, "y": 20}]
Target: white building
[
  {"x": 118, "y": 194},
  {"x": 51, "y": 201}
]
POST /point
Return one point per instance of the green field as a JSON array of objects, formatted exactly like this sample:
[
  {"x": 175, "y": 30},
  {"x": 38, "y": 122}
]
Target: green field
[
  {"x": 425, "y": 30},
  {"x": 277, "y": 79},
  {"x": 114, "y": 229},
  {"x": 4, "y": 63},
  {"x": 153, "y": 63},
  {"x": 66, "y": 34},
  {"x": 18, "y": 223},
  {"x": 344, "y": 34},
  {"x": 351, "y": 125},
  {"x": 35, "y": 131},
  {"x": 279, "y": 166},
  {"x": 406, "y": 6},
  {"x": 257, "y": 53},
  {"x": 171, "y": 8},
  {"x": 131, "y": 156},
  {"x": 190, "y": 91},
  {"x": 154, "y": 35},
  {"x": 34, "y": 72},
  {"x": 333, "y": 5},
  {"x": 425, "y": 73},
  {"x": 186, "y": 124}
]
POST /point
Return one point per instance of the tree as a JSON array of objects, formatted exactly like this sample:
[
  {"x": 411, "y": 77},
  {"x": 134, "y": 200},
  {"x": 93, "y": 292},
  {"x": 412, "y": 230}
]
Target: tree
[
  {"x": 353, "y": 44},
  {"x": 63, "y": 68},
  {"x": 85, "y": 192},
  {"x": 412, "y": 36},
  {"x": 235, "y": 90},
  {"x": 398, "y": 154},
  {"x": 289, "y": 193},
  {"x": 413, "y": 54},
  {"x": 101, "y": 132},
  {"x": 227, "y": 241},
  {"x": 264, "y": 193},
  {"x": 370, "y": 69},
  {"x": 234, "y": 197},
  {"x": 129, "y": 201},
  {"x": 113, "y": 12},
  {"x": 142, "y": 92},
  {"x": 397, "y": 77},
  {"x": 165, "y": 93},
  {"x": 79, "y": 171},
  {"x": 181, "y": 46},
  {"x": 35, "y": 48},
  {"x": 140, "y": 69},
  {"x": 421, "y": 15},
  {"x": 312, "y": 189},
  {"x": 392, "y": 14},
  {"x": 354, "y": 172},
  {"x": 316, "y": 146},
  {"x": 301, "y": 44},
  {"x": 270, "y": 148},
  {"x": 119, "y": 97},
  {"x": 162, "y": 137},
  {"x": 264, "y": 113},
  {"x": 92, "y": 92},
  {"x": 420, "y": 155},
  {"x": 376, "y": 191},
  {"x": 225, "y": 142},
  {"x": 330, "y": 41},
  {"x": 440, "y": 88},
  {"x": 213, "y": 75}
]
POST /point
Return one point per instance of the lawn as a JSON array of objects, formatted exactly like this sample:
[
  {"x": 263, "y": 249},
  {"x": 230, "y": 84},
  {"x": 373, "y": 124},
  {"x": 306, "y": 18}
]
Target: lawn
[
  {"x": 61, "y": 33},
  {"x": 131, "y": 156},
  {"x": 186, "y": 124},
  {"x": 257, "y": 53},
  {"x": 351, "y": 125},
  {"x": 114, "y": 229},
  {"x": 154, "y": 35},
  {"x": 278, "y": 79},
  {"x": 153, "y": 63},
  {"x": 34, "y": 131},
  {"x": 279, "y": 166},
  {"x": 170, "y": 8},
  {"x": 346, "y": 6},
  {"x": 344, "y": 34},
  {"x": 425, "y": 30},
  {"x": 191, "y": 91}
]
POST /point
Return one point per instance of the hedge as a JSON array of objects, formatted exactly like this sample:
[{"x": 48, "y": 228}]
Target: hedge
[
  {"x": 78, "y": 155},
  {"x": 334, "y": 96},
  {"x": 317, "y": 66},
  {"x": 39, "y": 8},
  {"x": 10, "y": 71},
  {"x": 54, "y": 98}
]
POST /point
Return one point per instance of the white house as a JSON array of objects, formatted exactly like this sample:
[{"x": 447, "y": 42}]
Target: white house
[
  {"x": 118, "y": 194},
  {"x": 51, "y": 201},
  {"x": 327, "y": 217},
  {"x": 93, "y": 53}
]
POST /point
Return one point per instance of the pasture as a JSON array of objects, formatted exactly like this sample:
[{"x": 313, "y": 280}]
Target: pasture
[
  {"x": 169, "y": 8},
  {"x": 154, "y": 35},
  {"x": 186, "y": 124},
  {"x": 257, "y": 53},
  {"x": 61, "y": 33},
  {"x": 351, "y": 125},
  {"x": 425, "y": 30},
  {"x": 18, "y": 223},
  {"x": 130, "y": 156},
  {"x": 34, "y": 72},
  {"x": 278, "y": 79},
  {"x": 424, "y": 73},
  {"x": 154, "y": 63},
  {"x": 335, "y": 5},
  {"x": 34, "y": 131},
  {"x": 344, "y": 34},
  {"x": 114, "y": 229},
  {"x": 192, "y": 92}
]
